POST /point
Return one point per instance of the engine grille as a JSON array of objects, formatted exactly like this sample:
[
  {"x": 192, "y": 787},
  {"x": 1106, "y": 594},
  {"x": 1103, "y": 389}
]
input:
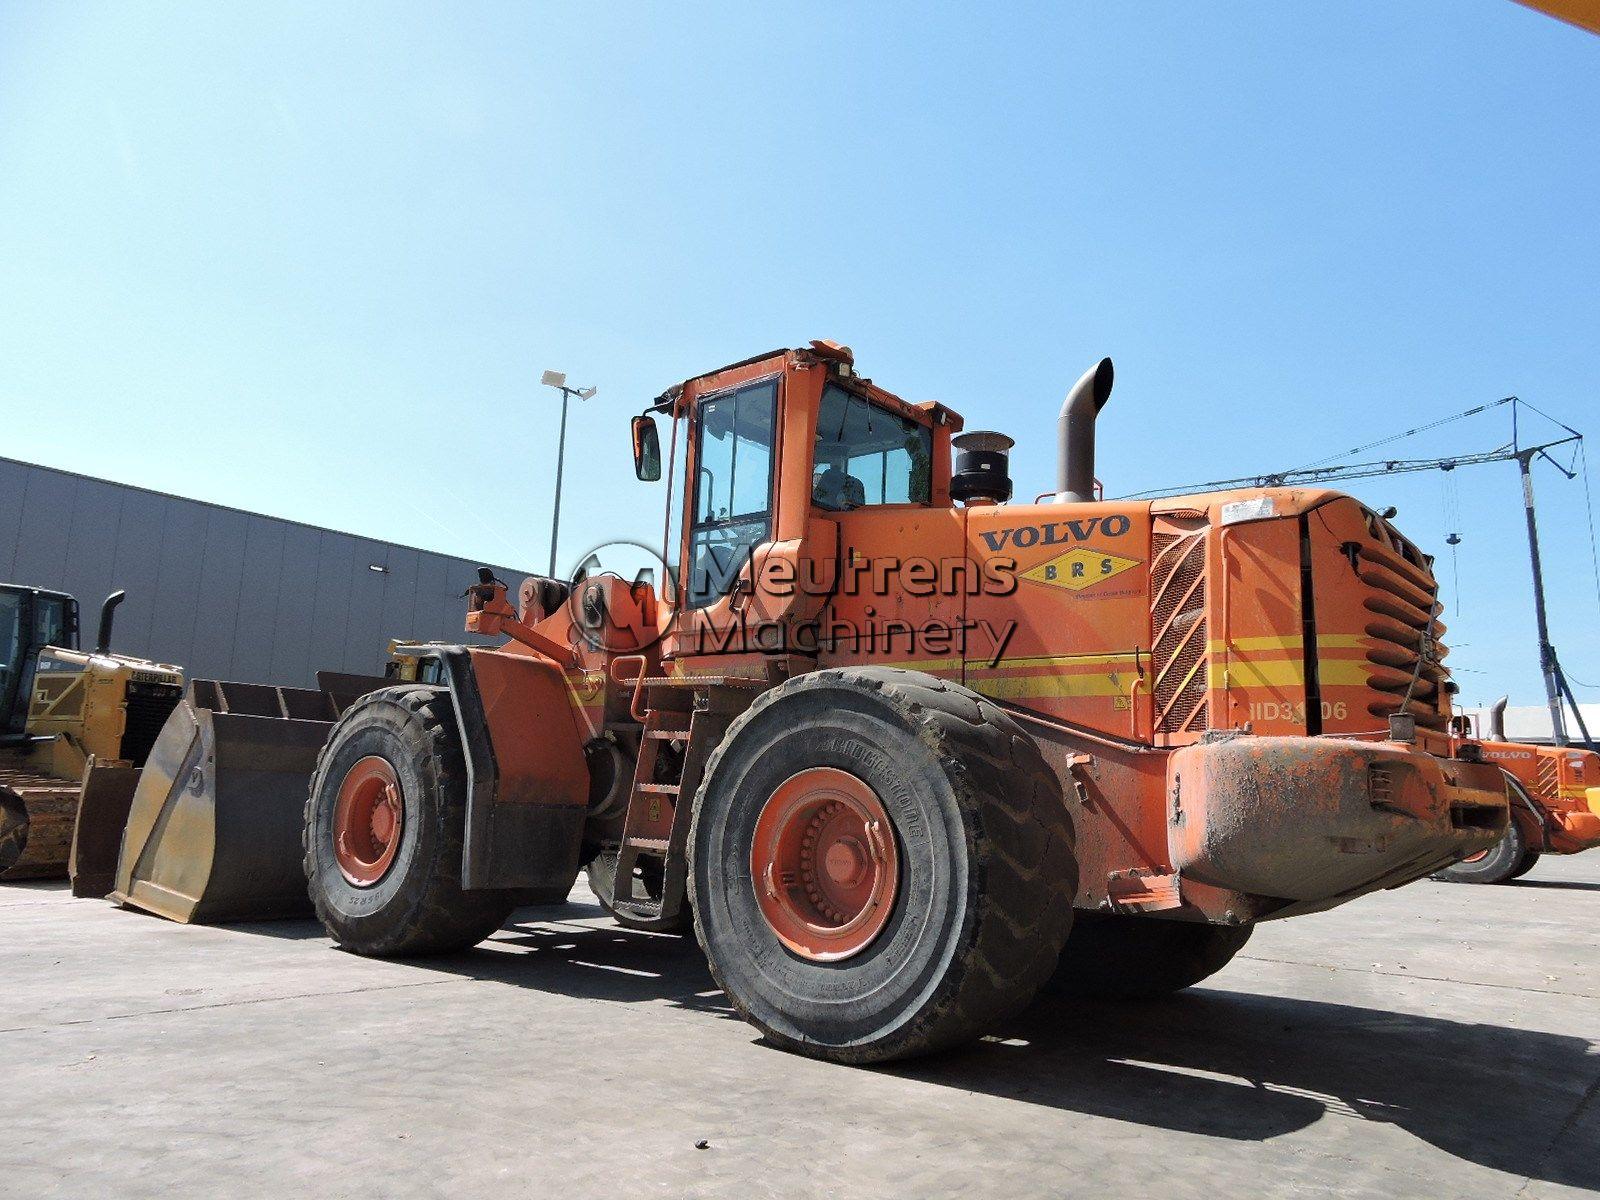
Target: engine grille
[
  {"x": 1178, "y": 624},
  {"x": 148, "y": 707},
  {"x": 1402, "y": 604},
  {"x": 1549, "y": 777}
]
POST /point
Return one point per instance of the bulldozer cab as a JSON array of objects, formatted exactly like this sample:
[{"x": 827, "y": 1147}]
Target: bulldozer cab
[{"x": 30, "y": 619}]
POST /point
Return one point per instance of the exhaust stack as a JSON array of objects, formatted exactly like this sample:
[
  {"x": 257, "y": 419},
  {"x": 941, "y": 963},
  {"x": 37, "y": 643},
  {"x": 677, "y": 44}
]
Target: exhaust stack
[
  {"x": 1075, "y": 434},
  {"x": 108, "y": 612},
  {"x": 1497, "y": 719}
]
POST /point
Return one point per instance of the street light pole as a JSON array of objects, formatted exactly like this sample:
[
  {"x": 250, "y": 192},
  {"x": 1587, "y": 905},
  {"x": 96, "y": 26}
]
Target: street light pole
[
  {"x": 561, "y": 458},
  {"x": 558, "y": 380}
]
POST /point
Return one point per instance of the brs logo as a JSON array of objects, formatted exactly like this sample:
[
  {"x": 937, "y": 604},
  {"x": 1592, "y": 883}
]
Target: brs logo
[{"x": 1058, "y": 533}]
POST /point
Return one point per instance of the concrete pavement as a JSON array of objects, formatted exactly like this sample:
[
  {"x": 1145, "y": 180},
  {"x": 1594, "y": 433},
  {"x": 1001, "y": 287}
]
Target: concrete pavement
[{"x": 1440, "y": 1040}]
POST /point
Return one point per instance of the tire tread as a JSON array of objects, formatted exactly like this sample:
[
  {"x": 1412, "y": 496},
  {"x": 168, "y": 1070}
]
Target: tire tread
[
  {"x": 442, "y": 917},
  {"x": 1025, "y": 878}
]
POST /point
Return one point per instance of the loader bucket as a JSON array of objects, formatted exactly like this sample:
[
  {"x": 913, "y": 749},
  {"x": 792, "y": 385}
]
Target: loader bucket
[
  {"x": 103, "y": 808},
  {"x": 213, "y": 833}
]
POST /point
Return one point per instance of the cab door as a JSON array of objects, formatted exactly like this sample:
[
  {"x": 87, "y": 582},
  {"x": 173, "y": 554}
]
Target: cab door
[
  {"x": 13, "y": 652},
  {"x": 733, "y": 449}
]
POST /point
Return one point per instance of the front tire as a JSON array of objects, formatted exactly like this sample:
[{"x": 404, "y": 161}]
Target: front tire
[
  {"x": 950, "y": 859},
  {"x": 383, "y": 832},
  {"x": 1110, "y": 957}
]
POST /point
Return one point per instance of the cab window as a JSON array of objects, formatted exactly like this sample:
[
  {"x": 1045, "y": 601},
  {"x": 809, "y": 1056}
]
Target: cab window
[
  {"x": 51, "y": 626},
  {"x": 868, "y": 455},
  {"x": 732, "y": 487}
]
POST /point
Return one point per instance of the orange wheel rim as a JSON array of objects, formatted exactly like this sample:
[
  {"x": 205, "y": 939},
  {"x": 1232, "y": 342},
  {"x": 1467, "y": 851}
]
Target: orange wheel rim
[
  {"x": 824, "y": 864},
  {"x": 1478, "y": 857},
  {"x": 367, "y": 821}
]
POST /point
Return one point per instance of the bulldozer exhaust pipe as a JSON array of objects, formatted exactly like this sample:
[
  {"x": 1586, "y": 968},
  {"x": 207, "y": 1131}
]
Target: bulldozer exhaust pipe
[
  {"x": 1075, "y": 434},
  {"x": 108, "y": 613}
]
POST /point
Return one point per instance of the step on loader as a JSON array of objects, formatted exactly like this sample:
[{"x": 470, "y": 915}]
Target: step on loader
[{"x": 902, "y": 753}]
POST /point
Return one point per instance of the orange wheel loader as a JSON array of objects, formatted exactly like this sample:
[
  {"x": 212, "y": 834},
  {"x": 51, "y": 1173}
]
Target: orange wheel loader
[
  {"x": 900, "y": 752},
  {"x": 1555, "y": 802}
]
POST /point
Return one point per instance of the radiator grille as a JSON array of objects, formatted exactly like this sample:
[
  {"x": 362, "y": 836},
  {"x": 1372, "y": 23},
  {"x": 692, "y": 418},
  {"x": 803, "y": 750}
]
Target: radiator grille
[
  {"x": 148, "y": 707},
  {"x": 1178, "y": 628},
  {"x": 1549, "y": 777},
  {"x": 1402, "y": 603}
]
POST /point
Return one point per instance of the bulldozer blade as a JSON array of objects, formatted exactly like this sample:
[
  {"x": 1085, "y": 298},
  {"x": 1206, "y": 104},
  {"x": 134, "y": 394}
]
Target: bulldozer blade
[
  {"x": 97, "y": 834},
  {"x": 213, "y": 832}
]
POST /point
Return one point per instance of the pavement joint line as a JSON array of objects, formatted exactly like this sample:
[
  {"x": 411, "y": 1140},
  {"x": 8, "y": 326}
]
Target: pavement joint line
[
  {"x": 1510, "y": 987},
  {"x": 187, "y": 1008}
]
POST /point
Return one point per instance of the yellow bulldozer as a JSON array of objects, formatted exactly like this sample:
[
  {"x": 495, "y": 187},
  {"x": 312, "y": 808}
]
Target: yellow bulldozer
[{"x": 75, "y": 725}]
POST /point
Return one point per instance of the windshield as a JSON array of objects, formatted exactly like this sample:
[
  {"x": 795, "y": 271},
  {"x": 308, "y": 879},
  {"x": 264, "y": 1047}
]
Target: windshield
[{"x": 868, "y": 455}]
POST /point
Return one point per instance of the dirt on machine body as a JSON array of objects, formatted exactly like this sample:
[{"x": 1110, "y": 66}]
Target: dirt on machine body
[{"x": 903, "y": 753}]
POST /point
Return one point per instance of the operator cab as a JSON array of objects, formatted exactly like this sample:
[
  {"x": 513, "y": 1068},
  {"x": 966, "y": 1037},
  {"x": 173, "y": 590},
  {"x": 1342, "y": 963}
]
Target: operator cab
[
  {"x": 866, "y": 454},
  {"x": 30, "y": 620},
  {"x": 773, "y": 460}
]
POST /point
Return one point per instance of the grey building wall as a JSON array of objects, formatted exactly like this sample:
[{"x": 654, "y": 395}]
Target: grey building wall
[{"x": 223, "y": 593}]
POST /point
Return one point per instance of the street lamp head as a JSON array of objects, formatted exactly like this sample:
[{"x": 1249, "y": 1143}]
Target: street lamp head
[
  {"x": 554, "y": 379},
  {"x": 586, "y": 393}
]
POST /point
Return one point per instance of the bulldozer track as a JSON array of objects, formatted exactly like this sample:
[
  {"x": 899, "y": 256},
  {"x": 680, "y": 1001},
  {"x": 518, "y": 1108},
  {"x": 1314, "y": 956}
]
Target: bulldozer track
[{"x": 50, "y": 806}]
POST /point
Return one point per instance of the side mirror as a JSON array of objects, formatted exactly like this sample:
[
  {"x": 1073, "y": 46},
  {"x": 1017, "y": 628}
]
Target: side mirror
[{"x": 646, "y": 448}]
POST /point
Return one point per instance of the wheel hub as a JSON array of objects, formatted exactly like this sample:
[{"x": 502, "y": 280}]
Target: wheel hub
[
  {"x": 367, "y": 821},
  {"x": 825, "y": 864}
]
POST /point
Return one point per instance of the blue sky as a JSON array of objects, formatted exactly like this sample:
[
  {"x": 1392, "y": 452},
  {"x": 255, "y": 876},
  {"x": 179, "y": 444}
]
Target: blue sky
[{"x": 310, "y": 259}]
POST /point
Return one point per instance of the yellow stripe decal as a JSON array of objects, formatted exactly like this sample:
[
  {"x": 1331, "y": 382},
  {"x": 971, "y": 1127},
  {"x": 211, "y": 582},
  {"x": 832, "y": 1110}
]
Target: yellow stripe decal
[
  {"x": 1325, "y": 641},
  {"x": 1019, "y": 687},
  {"x": 1285, "y": 673}
]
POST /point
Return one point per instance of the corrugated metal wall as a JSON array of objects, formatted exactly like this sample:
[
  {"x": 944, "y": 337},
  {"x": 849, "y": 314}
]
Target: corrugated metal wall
[{"x": 225, "y": 594}]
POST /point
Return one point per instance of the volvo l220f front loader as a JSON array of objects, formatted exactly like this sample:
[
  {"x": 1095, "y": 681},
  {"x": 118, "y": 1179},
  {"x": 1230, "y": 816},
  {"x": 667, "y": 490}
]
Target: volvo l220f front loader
[{"x": 903, "y": 753}]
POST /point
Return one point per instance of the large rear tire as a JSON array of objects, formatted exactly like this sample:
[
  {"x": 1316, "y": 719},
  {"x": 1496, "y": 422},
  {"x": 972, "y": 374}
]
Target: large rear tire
[
  {"x": 1530, "y": 859},
  {"x": 919, "y": 867},
  {"x": 397, "y": 892},
  {"x": 1111, "y": 957}
]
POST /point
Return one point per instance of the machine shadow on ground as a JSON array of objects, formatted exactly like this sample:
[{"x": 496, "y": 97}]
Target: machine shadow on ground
[
  {"x": 1208, "y": 1061},
  {"x": 1569, "y": 885}
]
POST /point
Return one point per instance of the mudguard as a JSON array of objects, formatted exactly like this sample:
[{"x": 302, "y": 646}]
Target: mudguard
[{"x": 527, "y": 780}]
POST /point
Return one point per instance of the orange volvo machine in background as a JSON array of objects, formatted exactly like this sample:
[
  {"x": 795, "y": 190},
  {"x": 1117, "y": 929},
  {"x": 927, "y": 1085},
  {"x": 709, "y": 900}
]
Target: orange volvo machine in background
[
  {"x": 904, "y": 752},
  {"x": 1555, "y": 802}
]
